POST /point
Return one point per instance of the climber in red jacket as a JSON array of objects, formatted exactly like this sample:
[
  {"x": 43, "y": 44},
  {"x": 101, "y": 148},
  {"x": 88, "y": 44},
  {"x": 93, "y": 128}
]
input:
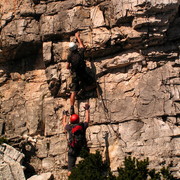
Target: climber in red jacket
[{"x": 76, "y": 132}]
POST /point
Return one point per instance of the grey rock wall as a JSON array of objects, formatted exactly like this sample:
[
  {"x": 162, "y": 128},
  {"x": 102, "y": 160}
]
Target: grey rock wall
[
  {"x": 133, "y": 51},
  {"x": 11, "y": 163}
]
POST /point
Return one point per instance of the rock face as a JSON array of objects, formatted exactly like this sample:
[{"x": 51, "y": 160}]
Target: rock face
[
  {"x": 10, "y": 163},
  {"x": 133, "y": 50},
  {"x": 45, "y": 176}
]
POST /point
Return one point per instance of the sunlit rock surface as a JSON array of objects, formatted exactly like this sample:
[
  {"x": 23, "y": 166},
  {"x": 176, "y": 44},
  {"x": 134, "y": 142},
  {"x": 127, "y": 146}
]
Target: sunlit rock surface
[{"x": 133, "y": 51}]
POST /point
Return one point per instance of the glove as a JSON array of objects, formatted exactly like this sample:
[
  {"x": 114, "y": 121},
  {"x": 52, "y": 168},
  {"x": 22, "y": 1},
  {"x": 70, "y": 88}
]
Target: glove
[
  {"x": 65, "y": 113},
  {"x": 87, "y": 106}
]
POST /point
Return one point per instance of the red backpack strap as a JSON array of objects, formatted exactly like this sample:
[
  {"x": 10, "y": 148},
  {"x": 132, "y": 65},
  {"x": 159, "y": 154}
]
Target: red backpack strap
[{"x": 77, "y": 128}]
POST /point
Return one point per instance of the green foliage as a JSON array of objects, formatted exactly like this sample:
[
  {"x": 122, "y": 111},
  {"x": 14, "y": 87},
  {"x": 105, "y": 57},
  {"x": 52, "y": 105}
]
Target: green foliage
[
  {"x": 138, "y": 170},
  {"x": 92, "y": 167},
  {"x": 133, "y": 170},
  {"x": 3, "y": 140},
  {"x": 154, "y": 175},
  {"x": 166, "y": 174}
]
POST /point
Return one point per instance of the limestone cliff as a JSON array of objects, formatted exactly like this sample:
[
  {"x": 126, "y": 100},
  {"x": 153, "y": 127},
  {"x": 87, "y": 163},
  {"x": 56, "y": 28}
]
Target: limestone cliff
[{"x": 133, "y": 50}]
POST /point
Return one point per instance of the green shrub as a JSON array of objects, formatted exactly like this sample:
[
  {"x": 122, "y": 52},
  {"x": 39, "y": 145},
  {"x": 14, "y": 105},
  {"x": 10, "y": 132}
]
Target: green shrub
[
  {"x": 133, "y": 169},
  {"x": 92, "y": 167},
  {"x": 138, "y": 170},
  {"x": 166, "y": 174},
  {"x": 154, "y": 175}
]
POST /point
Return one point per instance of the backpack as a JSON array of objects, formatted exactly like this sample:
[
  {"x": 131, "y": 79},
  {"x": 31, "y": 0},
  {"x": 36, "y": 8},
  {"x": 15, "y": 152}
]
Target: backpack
[
  {"x": 77, "y": 61},
  {"x": 77, "y": 136}
]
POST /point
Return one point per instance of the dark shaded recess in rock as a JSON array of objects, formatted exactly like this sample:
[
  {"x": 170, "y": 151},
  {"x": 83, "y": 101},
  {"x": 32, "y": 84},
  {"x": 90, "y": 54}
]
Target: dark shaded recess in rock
[
  {"x": 36, "y": 1},
  {"x": 125, "y": 21},
  {"x": 24, "y": 57},
  {"x": 29, "y": 151}
]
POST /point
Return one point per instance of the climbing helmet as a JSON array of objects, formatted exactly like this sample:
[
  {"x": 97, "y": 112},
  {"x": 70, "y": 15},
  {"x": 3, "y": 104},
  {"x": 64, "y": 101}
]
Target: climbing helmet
[
  {"x": 72, "y": 46},
  {"x": 74, "y": 118}
]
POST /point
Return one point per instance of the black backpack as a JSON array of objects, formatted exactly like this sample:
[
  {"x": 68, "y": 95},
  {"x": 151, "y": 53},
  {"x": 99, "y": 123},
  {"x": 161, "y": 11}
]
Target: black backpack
[
  {"x": 77, "y": 61},
  {"x": 77, "y": 136}
]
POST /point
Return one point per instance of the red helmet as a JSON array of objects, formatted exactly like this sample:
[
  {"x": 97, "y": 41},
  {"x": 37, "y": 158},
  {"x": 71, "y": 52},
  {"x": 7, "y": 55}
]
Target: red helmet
[{"x": 74, "y": 119}]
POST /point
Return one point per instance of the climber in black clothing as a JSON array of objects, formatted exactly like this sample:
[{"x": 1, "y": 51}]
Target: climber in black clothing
[{"x": 76, "y": 63}]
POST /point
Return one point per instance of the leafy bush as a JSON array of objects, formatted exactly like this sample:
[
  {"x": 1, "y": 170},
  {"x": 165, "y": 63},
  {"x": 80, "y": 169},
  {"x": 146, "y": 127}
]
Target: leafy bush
[
  {"x": 166, "y": 174},
  {"x": 138, "y": 170},
  {"x": 92, "y": 167},
  {"x": 133, "y": 169}
]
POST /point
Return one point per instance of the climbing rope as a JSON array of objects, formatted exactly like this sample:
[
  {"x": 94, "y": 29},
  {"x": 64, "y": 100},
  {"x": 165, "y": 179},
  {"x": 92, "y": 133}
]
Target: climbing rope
[{"x": 100, "y": 97}]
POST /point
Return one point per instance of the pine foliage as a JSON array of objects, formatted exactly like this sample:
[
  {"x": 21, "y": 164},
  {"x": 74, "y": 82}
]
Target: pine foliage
[
  {"x": 134, "y": 169},
  {"x": 93, "y": 168}
]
